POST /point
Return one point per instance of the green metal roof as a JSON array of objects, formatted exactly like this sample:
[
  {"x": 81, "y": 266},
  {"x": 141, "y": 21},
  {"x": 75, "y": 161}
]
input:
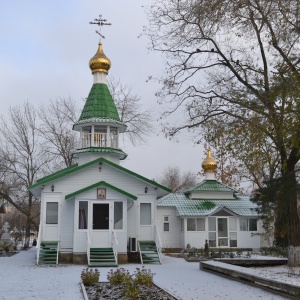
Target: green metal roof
[
  {"x": 70, "y": 170},
  {"x": 122, "y": 154},
  {"x": 211, "y": 186},
  {"x": 99, "y": 104},
  {"x": 97, "y": 184},
  {"x": 185, "y": 206},
  {"x": 58, "y": 172}
]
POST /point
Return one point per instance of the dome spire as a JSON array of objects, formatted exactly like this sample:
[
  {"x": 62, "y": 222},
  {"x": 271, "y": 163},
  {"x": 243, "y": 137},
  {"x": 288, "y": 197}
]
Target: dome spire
[
  {"x": 209, "y": 166},
  {"x": 100, "y": 62}
]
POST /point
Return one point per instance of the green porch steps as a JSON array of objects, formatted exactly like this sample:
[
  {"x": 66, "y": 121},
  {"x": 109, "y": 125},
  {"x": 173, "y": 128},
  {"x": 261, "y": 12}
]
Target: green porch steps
[
  {"x": 148, "y": 252},
  {"x": 102, "y": 257},
  {"x": 48, "y": 253}
]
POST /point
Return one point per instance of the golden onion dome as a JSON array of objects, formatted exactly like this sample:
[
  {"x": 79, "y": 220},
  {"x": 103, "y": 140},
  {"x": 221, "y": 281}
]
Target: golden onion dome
[
  {"x": 99, "y": 62},
  {"x": 209, "y": 164}
]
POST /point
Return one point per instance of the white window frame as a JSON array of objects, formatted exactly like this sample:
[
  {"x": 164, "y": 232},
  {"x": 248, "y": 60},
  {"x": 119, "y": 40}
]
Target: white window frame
[
  {"x": 114, "y": 216},
  {"x": 52, "y": 216},
  {"x": 86, "y": 215},
  {"x": 196, "y": 224},
  {"x": 166, "y": 223},
  {"x": 247, "y": 224}
]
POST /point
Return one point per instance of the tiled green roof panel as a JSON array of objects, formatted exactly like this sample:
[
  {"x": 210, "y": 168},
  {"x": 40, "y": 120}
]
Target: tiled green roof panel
[
  {"x": 99, "y": 104},
  {"x": 185, "y": 206},
  {"x": 211, "y": 186}
]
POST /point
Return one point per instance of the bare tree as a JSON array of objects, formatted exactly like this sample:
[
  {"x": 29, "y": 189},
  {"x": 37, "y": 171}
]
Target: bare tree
[
  {"x": 35, "y": 143},
  {"x": 22, "y": 159},
  {"x": 137, "y": 120},
  {"x": 57, "y": 119},
  {"x": 177, "y": 181},
  {"x": 236, "y": 62}
]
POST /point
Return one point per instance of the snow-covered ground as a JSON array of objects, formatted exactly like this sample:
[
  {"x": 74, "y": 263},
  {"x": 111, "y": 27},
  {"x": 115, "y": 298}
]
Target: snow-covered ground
[
  {"x": 279, "y": 273},
  {"x": 21, "y": 279}
]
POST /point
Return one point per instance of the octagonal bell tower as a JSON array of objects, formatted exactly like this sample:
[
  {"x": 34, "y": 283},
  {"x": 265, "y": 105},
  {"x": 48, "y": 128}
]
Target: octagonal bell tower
[{"x": 99, "y": 123}]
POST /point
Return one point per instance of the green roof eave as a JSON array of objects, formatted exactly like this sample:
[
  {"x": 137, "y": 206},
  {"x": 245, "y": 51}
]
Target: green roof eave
[
  {"x": 68, "y": 171},
  {"x": 122, "y": 155},
  {"x": 93, "y": 120},
  {"x": 136, "y": 175},
  {"x": 100, "y": 183},
  {"x": 58, "y": 172}
]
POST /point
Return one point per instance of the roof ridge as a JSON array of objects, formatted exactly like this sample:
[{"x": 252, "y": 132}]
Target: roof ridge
[
  {"x": 203, "y": 182},
  {"x": 68, "y": 171},
  {"x": 100, "y": 183}
]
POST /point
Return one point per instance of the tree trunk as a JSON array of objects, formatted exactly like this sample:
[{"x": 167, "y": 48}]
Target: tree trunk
[
  {"x": 27, "y": 233},
  {"x": 281, "y": 216},
  {"x": 289, "y": 205}
]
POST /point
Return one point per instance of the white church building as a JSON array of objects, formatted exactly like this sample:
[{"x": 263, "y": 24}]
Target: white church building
[
  {"x": 210, "y": 211},
  {"x": 96, "y": 212}
]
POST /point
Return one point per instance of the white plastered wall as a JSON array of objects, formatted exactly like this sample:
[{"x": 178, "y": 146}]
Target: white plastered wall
[{"x": 171, "y": 238}]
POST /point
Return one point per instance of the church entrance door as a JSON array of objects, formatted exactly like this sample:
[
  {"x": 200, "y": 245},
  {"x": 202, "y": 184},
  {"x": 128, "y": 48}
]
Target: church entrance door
[{"x": 101, "y": 224}]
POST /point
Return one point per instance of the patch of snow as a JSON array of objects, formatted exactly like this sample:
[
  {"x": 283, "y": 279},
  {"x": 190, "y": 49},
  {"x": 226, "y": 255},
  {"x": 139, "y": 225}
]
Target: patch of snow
[{"x": 21, "y": 279}]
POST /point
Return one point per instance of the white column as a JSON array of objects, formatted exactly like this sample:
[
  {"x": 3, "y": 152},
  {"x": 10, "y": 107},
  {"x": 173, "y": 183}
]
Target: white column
[
  {"x": 80, "y": 144},
  {"x": 210, "y": 176},
  {"x": 100, "y": 77},
  {"x": 108, "y": 137},
  {"x": 117, "y": 142},
  {"x": 92, "y": 136}
]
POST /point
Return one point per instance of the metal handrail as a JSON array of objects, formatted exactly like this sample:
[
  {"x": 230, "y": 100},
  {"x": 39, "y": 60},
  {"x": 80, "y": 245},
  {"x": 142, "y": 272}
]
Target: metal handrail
[
  {"x": 115, "y": 244},
  {"x": 158, "y": 244},
  {"x": 57, "y": 252},
  {"x": 38, "y": 245},
  {"x": 141, "y": 256},
  {"x": 88, "y": 246}
]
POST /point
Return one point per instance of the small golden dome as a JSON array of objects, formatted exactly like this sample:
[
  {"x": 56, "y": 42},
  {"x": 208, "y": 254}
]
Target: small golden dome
[
  {"x": 99, "y": 62},
  {"x": 209, "y": 164}
]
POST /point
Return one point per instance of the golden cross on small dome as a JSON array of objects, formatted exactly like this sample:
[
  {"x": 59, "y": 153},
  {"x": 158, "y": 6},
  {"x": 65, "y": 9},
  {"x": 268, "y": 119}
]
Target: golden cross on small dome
[{"x": 100, "y": 22}]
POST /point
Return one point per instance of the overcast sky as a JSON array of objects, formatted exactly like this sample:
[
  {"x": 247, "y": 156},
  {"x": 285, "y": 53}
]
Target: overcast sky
[{"x": 44, "y": 54}]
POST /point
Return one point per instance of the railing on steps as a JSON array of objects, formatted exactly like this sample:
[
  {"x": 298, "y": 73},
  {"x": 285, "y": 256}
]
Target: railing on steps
[
  {"x": 38, "y": 245},
  {"x": 58, "y": 243},
  {"x": 114, "y": 245},
  {"x": 139, "y": 250},
  {"x": 158, "y": 244},
  {"x": 88, "y": 246}
]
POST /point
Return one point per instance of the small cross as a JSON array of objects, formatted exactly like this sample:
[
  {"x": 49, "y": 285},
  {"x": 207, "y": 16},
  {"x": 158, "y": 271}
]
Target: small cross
[
  {"x": 100, "y": 22},
  {"x": 5, "y": 227}
]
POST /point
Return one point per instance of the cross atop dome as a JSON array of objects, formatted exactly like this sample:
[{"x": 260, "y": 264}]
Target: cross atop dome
[
  {"x": 99, "y": 123},
  {"x": 100, "y": 22}
]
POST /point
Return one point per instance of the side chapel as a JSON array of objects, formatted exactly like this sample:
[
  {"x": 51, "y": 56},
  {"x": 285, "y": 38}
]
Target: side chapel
[{"x": 96, "y": 212}]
